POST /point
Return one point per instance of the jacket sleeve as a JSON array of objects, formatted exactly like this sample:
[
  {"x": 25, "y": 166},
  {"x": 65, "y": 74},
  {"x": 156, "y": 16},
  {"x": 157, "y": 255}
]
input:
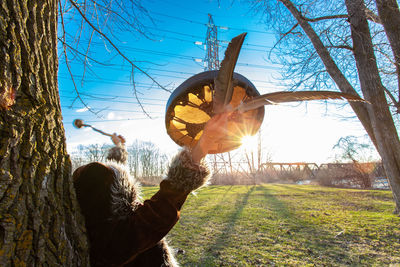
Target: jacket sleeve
[{"x": 153, "y": 219}]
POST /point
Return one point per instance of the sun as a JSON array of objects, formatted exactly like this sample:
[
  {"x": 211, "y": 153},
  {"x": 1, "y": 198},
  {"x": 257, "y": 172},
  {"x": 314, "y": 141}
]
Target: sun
[{"x": 249, "y": 142}]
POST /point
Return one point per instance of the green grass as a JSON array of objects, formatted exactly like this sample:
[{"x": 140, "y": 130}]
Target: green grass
[{"x": 267, "y": 225}]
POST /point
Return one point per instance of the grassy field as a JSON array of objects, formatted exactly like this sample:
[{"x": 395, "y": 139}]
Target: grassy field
[{"x": 286, "y": 225}]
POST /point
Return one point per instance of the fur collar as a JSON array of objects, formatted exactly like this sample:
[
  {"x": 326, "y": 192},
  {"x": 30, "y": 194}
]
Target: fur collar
[{"x": 125, "y": 191}]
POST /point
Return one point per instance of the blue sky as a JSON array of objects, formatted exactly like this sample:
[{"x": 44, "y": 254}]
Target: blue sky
[{"x": 172, "y": 53}]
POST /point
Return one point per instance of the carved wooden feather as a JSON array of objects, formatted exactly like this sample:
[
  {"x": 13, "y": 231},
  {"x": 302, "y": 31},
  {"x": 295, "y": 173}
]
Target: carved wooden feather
[
  {"x": 287, "y": 96},
  {"x": 223, "y": 82}
]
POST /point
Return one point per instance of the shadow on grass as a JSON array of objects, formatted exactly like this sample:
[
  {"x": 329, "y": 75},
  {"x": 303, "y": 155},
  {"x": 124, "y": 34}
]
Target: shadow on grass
[
  {"x": 275, "y": 232},
  {"x": 315, "y": 245},
  {"x": 310, "y": 243},
  {"x": 223, "y": 240}
]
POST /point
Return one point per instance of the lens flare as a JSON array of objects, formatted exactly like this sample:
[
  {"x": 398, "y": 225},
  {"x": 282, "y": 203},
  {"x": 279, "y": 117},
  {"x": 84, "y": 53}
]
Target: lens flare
[{"x": 249, "y": 142}]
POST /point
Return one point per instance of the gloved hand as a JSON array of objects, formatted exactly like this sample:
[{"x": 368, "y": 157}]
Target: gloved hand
[{"x": 118, "y": 140}]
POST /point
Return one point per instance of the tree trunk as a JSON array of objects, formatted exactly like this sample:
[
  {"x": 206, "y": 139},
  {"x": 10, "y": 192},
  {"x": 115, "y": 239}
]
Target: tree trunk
[
  {"x": 40, "y": 223},
  {"x": 389, "y": 15},
  {"x": 373, "y": 90}
]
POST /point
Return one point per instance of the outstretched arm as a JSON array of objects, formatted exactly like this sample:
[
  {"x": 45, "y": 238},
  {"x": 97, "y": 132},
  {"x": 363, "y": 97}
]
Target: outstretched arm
[{"x": 153, "y": 219}]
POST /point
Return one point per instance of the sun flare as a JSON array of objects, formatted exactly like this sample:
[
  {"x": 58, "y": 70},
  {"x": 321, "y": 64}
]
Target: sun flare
[{"x": 249, "y": 141}]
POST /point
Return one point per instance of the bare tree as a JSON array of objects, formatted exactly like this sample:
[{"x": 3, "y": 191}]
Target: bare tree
[
  {"x": 340, "y": 44},
  {"x": 40, "y": 222},
  {"x": 164, "y": 161},
  {"x": 146, "y": 160},
  {"x": 149, "y": 159},
  {"x": 96, "y": 152},
  {"x": 84, "y": 154},
  {"x": 350, "y": 148},
  {"x": 133, "y": 158}
]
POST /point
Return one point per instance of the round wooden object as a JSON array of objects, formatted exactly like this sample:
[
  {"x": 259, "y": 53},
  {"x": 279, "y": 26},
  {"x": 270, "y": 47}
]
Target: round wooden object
[{"x": 190, "y": 107}]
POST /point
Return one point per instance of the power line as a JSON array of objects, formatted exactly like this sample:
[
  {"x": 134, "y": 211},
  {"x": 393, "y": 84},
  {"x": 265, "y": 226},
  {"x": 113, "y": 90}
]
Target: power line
[
  {"x": 113, "y": 100},
  {"x": 201, "y": 23},
  {"x": 196, "y": 37},
  {"x": 130, "y": 119},
  {"x": 115, "y": 96},
  {"x": 65, "y": 76},
  {"x": 108, "y": 81},
  {"x": 108, "y": 109},
  {"x": 191, "y": 58},
  {"x": 197, "y": 42},
  {"x": 129, "y": 83}
]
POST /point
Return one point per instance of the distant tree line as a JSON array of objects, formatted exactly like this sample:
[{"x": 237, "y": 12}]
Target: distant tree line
[
  {"x": 145, "y": 160},
  {"x": 353, "y": 165}
]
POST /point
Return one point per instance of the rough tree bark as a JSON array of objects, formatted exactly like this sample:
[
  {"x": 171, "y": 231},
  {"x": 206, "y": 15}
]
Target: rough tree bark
[
  {"x": 40, "y": 224},
  {"x": 367, "y": 114},
  {"x": 373, "y": 90},
  {"x": 389, "y": 15}
]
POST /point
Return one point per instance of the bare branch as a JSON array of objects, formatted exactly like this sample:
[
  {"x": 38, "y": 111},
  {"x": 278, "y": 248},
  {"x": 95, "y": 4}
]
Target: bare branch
[
  {"x": 395, "y": 103},
  {"x": 110, "y": 11},
  {"x": 372, "y": 16},
  {"x": 86, "y": 56},
  {"x": 82, "y": 54},
  {"x": 116, "y": 47},
  {"x": 340, "y": 47},
  {"x": 336, "y": 46},
  {"x": 67, "y": 63},
  {"x": 283, "y": 36},
  {"x": 139, "y": 102},
  {"x": 340, "y": 16}
]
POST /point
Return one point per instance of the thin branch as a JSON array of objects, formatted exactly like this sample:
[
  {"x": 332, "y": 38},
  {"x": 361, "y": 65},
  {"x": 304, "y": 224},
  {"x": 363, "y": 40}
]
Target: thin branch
[
  {"x": 335, "y": 46},
  {"x": 110, "y": 11},
  {"x": 67, "y": 63},
  {"x": 345, "y": 44},
  {"x": 282, "y": 37},
  {"x": 372, "y": 16},
  {"x": 115, "y": 47},
  {"x": 82, "y": 54},
  {"x": 388, "y": 57},
  {"x": 86, "y": 57},
  {"x": 340, "y": 16},
  {"x": 395, "y": 103},
  {"x": 340, "y": 47},
  {"x": 138, "y": 100}
]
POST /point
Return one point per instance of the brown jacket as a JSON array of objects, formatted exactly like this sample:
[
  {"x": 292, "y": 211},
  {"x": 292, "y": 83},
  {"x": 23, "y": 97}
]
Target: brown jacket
[{"x": 122, "y": 230}]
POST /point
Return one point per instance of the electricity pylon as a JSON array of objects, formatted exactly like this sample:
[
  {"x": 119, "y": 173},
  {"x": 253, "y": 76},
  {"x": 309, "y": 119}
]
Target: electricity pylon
[{"x": 212, "y": 57}]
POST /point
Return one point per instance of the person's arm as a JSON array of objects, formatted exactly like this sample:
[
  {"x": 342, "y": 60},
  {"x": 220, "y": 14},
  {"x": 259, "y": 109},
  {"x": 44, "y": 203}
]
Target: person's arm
[{"x": 153, "y": 219}]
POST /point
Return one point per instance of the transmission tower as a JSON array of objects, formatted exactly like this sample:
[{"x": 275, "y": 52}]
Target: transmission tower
[{"x": 212, "y": 57}]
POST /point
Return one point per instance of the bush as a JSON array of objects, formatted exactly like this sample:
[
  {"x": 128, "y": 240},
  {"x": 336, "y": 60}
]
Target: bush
[{"x": 347, "y": 175}]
